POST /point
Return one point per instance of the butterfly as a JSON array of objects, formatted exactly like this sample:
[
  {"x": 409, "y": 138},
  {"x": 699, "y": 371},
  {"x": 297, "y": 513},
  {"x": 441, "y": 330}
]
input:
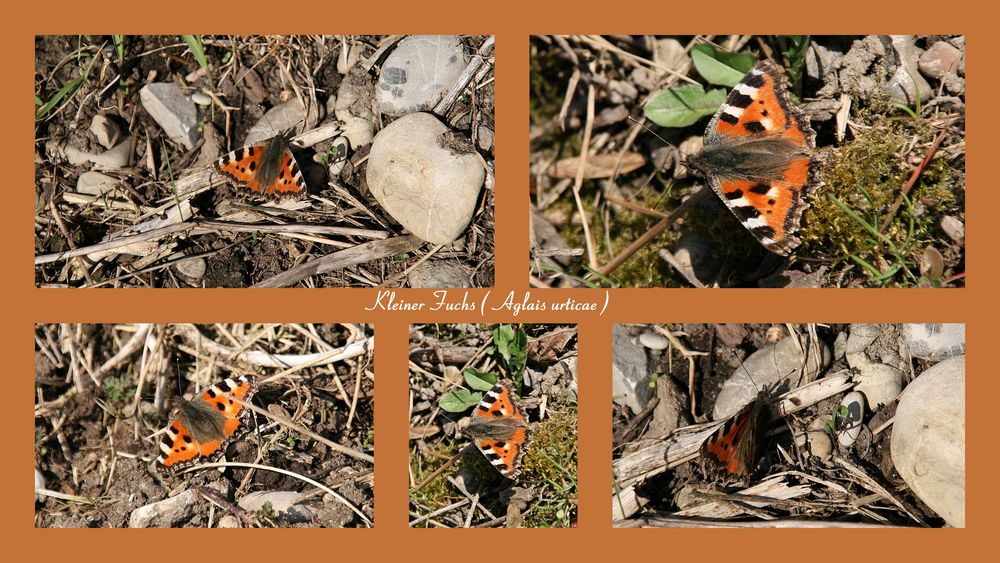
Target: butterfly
[
  {"x": 267, "y": 168},
  {"x": 206, "y": 425},
  {"x": 732, "y": 449},
  {"x": 500, "y": 430},
  {"x": 759, "y": 157}
]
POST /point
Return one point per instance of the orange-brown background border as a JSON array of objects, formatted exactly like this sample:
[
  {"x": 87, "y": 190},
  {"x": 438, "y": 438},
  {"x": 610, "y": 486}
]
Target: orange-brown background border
[{"x": 512, "y": 21}]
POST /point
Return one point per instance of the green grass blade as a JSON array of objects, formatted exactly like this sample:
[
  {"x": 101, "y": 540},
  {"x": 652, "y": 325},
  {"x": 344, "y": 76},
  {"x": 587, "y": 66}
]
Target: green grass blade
[
  {"x": 68, "y": 89},
  {"x": 197, "y": 49}
]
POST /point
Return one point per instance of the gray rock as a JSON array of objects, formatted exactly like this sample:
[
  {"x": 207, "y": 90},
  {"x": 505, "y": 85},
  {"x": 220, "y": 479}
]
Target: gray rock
[
  {"x": 106, "y": 130},
  {"x": 954, "y": 228},
  {"x": 485, "y": 138},
  {"x": 95, "y": 183},
  {"x": 172, "y": 110},
  {"x": 776, "y": 365},
  {"x": 879, "y": 379},
  {"x": 879, "y": 383},
  {"x": 425, "y": 177},
  {"x": 629, "y": 372},
  {"x": 284, "y": 503},
  {"x": 192, "y": 269},
  {"x": 166, "y": 513},
  {"x": 282, "y": 117},
  {"x": 418, "y": 72},
  {"x": 114, "y": 158},
  {"x": 939, "y": 60},
  {"x": 817, "y": 440},
  {"x": 441, "y": 273},
  {"x": 934, "y": 341},
  {"x": 907, "y": 84},
  {"x": 928, "y": 439}
]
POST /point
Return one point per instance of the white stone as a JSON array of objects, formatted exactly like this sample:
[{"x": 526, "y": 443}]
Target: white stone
[
  {"x": 112, "y": 159},
  {"x": 653, "y": 340},
  {"x": 106, "y": 130},
  {"x": 166, "y": 513},
  {"x": 934, "y": 341},
  {"x": 431, "y": 188},
  {"x": 441, "y": 273},
  {"x": 284, "y": 503},
  {"x": 280, "y": 118},
  {"x": 879, "y": 383},
  {"x": 418, "y": 72},
  {"x": 849, "y": 425},
  {"x": 95, "y": 183},
  {"x": 817, "y": 439},
  {"x": 928, "y": 439},
  {"x": 173, "y": 111}
]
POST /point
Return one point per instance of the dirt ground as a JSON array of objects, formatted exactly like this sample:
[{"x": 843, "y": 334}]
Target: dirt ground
[
  {"x": 105, "y": 392},
  {"x": 890, "y": 211},
  {"x": 225, "y": 239},
  {"x": 714, "y": 353},
  {"x": 445, "y": 471}
]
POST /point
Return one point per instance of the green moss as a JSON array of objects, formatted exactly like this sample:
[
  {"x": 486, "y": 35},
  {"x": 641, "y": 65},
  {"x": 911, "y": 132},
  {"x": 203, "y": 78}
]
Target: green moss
[
  {"x": 439, "y": 492},
  {"x": 550, "y": 466},
  {"x": 866, "y": 176},
  {"x": 119, "y": 389}
]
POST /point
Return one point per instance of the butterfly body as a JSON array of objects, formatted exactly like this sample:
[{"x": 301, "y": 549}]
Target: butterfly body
[
  {"x": 758, "y": 157},
  {"x": 206, "y": 425},
  {"x": 500, "y": 430},
  {"x": 267, "y": 168}
]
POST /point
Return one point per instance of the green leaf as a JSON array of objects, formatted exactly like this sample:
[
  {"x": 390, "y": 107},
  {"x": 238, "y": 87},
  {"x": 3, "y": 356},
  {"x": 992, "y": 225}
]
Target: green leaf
[
  {"x": 478, "y": 380},
  {"x": 459, "y": 400},
  {"x": 683, "y": 106},
  {"x": 197, "y": 49},
  {"x": 512, "y": 345},
  {"x": 719, "y": 67}
]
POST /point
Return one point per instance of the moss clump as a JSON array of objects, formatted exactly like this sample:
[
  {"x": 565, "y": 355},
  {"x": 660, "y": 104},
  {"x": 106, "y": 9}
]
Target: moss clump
[
  {"x": 119, "y": 389},
  {"x": 866, "y": 176},
  {"x": 550, "y": 465},
  {"x": 438, "y": 492}
]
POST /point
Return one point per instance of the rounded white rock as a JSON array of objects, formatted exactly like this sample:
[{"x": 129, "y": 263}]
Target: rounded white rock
[
  {"x": 928, "y": 439},
  {"x": 425, "y": 177}
]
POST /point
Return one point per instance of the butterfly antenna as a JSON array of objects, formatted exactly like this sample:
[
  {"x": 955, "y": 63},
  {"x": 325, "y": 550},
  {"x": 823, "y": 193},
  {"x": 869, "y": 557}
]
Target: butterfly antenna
[
  {"x": 683, "y": 155},
  {"x": 742, "y": 365}
]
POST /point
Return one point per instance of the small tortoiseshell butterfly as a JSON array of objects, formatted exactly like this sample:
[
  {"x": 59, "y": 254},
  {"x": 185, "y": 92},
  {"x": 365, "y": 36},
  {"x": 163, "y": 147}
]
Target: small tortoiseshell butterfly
[
  {"x": 267, "y": 168},
  {"x": 732, "y": 449},
  {"x": 500, "y": 430},
  {"x": 207, "y": 424},
  {"x": 758, "y": 157}
]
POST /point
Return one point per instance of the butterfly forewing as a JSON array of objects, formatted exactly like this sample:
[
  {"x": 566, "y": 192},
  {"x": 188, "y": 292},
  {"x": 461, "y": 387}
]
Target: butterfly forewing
[{"x": 758, "y": 157}]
